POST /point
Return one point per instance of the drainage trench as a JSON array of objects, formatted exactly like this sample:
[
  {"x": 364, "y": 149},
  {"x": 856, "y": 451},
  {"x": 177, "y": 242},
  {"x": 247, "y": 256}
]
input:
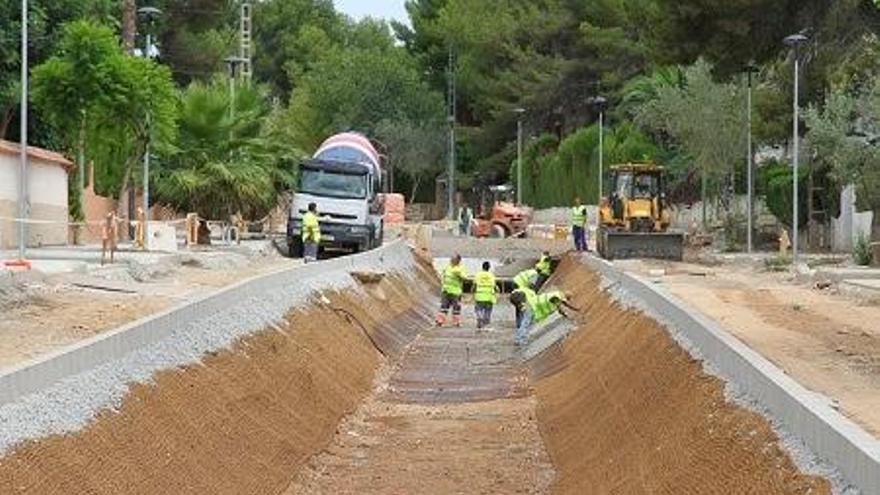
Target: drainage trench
[{"x": 376, "y": 400}]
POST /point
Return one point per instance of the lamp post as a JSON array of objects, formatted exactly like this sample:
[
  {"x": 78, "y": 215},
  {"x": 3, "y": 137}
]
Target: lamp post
[
  {"x": 795, "y": 41},
  {"x": 750, "y": 70},
  {"x": 150, "y": 52},
  {"x": 232, "y": 65},
  {"x": 23, "y": 156},
  {"x": 519, "y": 144},
  {"x": 601, "y": 104}
]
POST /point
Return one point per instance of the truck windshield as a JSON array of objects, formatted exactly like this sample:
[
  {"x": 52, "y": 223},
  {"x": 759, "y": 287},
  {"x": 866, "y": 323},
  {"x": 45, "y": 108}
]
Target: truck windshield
[{"x": 335, "y": 185}]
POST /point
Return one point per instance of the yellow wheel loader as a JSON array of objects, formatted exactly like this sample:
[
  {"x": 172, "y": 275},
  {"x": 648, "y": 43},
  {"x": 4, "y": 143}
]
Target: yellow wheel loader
[{"x": 634, "y": 218}]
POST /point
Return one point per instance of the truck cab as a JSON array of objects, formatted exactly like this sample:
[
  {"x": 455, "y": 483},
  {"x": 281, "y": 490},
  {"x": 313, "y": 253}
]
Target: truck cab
[{"x": 344, "y": 180}]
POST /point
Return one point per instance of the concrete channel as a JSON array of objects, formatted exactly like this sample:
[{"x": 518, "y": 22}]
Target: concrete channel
[{"x": 319, "y": 379}]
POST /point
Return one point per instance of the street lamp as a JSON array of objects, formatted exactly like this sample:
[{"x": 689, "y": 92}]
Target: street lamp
[
  {"x": 750, "y": 70},
  {"x": 23, "y": 156},
  {"x": 795, "y": 41},
  {"x": 601, "y": 104},
  {"x": 519, "y": 142},
  {"x": 150, "y": 52}
]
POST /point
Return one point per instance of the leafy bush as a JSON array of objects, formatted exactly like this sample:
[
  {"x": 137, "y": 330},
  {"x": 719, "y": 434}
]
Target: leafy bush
[
  {"x": 862, "y": 254},
  {"x": 775, "y": 184}
]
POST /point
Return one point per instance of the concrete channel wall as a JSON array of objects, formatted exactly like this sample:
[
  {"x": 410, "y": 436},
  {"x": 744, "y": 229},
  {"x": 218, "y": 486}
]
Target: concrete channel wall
[
  {"x": 805, "y": 414},
  {"x": 283, "y": 287}
]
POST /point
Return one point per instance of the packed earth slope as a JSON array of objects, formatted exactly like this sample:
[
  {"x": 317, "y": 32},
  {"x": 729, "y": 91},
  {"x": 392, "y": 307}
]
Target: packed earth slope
[
  {"x": 241, "y": 421},
  {"x": 356, "y": 391},
  {"x": 629, "y": 411}
]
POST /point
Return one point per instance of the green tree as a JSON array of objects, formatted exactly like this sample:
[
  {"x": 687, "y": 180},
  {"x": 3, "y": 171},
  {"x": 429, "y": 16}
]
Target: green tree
[
  {"x": 91, "y": 85},
  {"x": 554, "y": 178},
  {"x": 416, "y": 149},
  {"x": 290, "y": 35},
  {"x": 356, "y": 89},
  {"x": 45, "y": 19},
  {"x": 845, "y": 133},
  {"x": 224, "y": 161},
  {"x": 705, "y": 118}
]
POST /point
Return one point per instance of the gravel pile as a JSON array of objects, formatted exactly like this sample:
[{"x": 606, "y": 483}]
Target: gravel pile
[{"x": 70, "y": 403}]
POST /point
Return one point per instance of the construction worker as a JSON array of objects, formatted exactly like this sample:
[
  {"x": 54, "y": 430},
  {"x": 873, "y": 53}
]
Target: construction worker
[
  {"x": 311, "y": 234},
  {"x": 452, "y": 278},
  {"x": 544, "y": 269},
  {"x": 579, "y": 225},
  {"x": 484, "y": 295},
  {"x": 537, "y": 309},
  {"x": 520, "y": 298},
  {"x": 526, "y": 279}
]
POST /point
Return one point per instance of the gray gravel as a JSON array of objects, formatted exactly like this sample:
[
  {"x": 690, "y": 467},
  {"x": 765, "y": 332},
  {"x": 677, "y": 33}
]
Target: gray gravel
[{"x": 72, "y": 402}]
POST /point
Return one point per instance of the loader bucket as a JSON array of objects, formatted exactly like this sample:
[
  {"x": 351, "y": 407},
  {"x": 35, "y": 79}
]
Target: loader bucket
[{"x": 618, "y": 245}]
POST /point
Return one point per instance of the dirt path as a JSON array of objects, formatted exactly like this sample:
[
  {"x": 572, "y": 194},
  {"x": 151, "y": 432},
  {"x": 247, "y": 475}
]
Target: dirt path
[
  {"x": 452, "y": 417},
  {"x": 62, "y": 313},
  {"x": 826, "y": 342}
]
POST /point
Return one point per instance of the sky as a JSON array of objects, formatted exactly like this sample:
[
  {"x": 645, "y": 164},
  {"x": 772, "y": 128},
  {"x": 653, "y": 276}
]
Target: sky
[{"x": 388, "y": 9}]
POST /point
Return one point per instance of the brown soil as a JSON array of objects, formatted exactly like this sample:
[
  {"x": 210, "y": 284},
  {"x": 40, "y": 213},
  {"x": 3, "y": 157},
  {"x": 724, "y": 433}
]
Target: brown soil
[
  {"x": 617, "y": 408},
  {"x": 451, "y": 416},
  {"x": 631, "y": 412},
  {"x": 241, "y": 421},
  {"x": 826, "y": 342}
]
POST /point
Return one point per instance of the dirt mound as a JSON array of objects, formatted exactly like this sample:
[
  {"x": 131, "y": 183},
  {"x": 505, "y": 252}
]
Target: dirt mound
[
  {"x": 242, "y": 420},
  {"x": 628, "y": 411}
]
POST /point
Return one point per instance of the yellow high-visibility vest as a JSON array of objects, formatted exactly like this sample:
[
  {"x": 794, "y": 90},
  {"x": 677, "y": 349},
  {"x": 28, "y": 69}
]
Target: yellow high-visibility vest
[
  {"x": 311, "y": 228},
  {"x": 485, "y": 287}
]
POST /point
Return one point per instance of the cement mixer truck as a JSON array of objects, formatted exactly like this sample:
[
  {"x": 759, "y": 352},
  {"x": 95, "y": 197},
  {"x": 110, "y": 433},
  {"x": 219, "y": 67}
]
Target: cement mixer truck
[{"x": 344, "y": 179}]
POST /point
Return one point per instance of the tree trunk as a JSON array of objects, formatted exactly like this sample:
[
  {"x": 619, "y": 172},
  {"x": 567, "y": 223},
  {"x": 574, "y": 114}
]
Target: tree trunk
[
  {"x": 8, "y": 113},
  {"x": 129, "y": 24},
  {"x": 415, "y": 189}
]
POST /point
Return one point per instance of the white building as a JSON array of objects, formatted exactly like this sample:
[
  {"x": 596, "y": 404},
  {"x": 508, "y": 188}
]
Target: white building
[{"x": 47, "y": 194}]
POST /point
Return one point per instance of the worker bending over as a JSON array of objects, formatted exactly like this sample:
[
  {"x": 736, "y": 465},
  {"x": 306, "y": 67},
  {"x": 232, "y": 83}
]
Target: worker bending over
[
  {"x": 484, "y": 295},
  {"x": 537, "y": 308},
  {"x": 526, "y": 279},
  {"x": 519, "y": 298},
  {"x": 579, "y": 225},
  {"x": 311, "y": 234},
  {"x": 544, "y": 269},
  {"x": 452, "y": 278}
]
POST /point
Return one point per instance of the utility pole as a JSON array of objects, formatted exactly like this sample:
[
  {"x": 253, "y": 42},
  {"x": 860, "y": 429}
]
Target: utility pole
[
  {"x": 23, "y": 156},
  {"x": 601, "y": 104},
  {"x": 519, "y": 149},
  {"x": 750, "y": 70},
  {"x": 795, "y": 41},
  {"x": 150, "y": 13},
  {"x": 450, "y": 173}
]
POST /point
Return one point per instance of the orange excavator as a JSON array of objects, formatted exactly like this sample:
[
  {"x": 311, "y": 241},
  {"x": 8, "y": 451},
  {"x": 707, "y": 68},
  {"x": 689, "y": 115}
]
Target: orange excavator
[{"x": 500, "y": 216}]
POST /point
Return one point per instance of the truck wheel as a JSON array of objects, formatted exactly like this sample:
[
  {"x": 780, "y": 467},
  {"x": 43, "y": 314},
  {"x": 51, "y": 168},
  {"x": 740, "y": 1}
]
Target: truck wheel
[
  {"x": 295, "y": 248},
  {"x": 498, "y": 232}
]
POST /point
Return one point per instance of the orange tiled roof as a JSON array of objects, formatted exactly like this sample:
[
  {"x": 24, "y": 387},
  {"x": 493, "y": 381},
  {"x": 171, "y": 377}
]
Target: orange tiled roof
[{"x": 11, "y": 148}]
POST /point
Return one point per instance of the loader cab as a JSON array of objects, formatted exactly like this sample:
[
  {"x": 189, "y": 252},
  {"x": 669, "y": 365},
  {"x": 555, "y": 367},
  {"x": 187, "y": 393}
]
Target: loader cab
[{"x": 636, "y": 200}]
